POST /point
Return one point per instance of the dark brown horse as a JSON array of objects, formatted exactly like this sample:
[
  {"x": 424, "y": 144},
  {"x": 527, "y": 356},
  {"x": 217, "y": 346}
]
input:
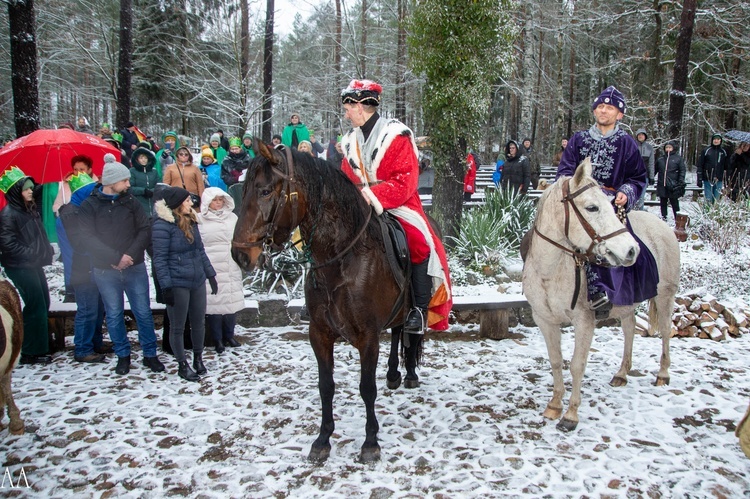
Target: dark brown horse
[
  {"x": 350, "y": 290},
  {"x": 11, "y": 338}
]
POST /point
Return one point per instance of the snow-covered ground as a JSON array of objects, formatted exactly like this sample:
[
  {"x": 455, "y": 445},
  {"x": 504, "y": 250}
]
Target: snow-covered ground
[{"x": 473, "y": 429}]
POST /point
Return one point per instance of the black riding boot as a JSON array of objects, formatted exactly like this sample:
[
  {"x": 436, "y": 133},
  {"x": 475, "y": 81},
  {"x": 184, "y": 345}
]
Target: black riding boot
[
  {"x": 421, "y": 287},
  {"x": 200, "y": 368},
  {"x": 598, "y": 298}
]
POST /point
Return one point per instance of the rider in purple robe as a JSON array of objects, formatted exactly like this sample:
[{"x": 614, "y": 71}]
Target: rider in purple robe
[{"x": 619, "y": 169}]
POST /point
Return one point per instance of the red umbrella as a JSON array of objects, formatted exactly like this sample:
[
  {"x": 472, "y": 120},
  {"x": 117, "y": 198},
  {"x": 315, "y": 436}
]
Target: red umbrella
[{"x": 45, "y": 154}]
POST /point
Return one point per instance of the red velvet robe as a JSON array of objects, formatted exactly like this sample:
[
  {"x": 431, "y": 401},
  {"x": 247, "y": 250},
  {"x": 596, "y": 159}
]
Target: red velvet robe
[{"x": 390, "y": 183}]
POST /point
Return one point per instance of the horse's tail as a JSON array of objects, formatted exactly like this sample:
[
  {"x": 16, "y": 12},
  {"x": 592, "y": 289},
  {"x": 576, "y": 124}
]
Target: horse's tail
[
  {"x": 659, "y": 320},
  {"x": 406, "y": 342}
]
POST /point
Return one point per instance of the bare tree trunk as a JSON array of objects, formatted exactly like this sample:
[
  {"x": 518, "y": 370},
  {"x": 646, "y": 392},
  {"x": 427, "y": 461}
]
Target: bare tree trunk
[
  {"x": 401, "y": 64},
  {"x": 571, "y": 85},
  {"x": 447, "y": 196},
  {"x": 537, "y": 94},
  {"x": 23, "y": 66},
  {"x": 338, "y": 76},
  {"x": 244, "y": 119},
  {"x": 268, "y": 73},
  {"x": 731, "y": 118},
  {"x": 682, "y": 57},
  {"x": 125, "y": 63},
  {"x": 363, "y": 62}
]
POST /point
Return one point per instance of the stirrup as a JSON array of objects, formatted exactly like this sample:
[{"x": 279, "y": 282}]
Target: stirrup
[
  {"x": 601, "y": 305},
  {"x": 415, "y": 321}
]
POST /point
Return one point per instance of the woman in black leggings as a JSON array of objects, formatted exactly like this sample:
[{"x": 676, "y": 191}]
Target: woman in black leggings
[{"x": 670, "y": 179}]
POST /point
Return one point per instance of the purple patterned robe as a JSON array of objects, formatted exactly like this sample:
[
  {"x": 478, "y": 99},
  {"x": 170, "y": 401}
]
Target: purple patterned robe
[{"x": 617, "y": 166}]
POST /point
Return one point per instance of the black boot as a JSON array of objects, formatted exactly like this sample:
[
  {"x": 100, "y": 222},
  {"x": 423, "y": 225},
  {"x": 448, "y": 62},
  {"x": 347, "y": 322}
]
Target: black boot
[
  {"x": 200, "y": 368},
  {"x": 219, "y": 346},
  {"x": 184, "y": 372},
  {"x": 123, "y": 365},
  {"x": 421, "y": 287}
]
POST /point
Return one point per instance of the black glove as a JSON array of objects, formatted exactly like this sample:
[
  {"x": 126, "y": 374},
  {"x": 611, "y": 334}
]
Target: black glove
[
  {"x": 214, "y": 285},
  {"x": 147, "y": 193},
  {"x": 168, "y": 296}
]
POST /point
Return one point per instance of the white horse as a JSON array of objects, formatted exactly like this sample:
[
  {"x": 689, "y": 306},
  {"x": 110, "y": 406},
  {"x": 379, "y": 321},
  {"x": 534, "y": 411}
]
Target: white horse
[{"x": 575, "y": 222}]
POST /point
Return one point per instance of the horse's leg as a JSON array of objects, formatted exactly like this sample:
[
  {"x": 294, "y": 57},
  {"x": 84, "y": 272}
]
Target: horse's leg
[
  {"x": 584, "y": 333},
  {"x": 322, "y": 345},
  {"x": 16, "y": 426},
  {"x": 368, "y": 358},
  {"x": 551, "y": 334},
  {"x": 393, "y": 378},
  {"x": 411, "y": 380},
  {"x": 663, "y": 305},
  {"x": 627, "y": 322}
]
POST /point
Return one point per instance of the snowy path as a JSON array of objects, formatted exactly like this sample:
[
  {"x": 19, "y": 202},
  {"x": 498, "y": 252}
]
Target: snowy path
[{"x": 473, "y": 429}]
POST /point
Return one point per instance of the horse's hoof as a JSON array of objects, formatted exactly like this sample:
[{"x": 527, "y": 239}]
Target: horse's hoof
[
  {"x": 319, "y": 455},
  {"x": 17, "y": 429},
  {"x": 618, "y": 381},
  {"x": 567, "y": 425},
  {"x": 393, "y": 384},
  {"x": 369, "y": 455},
  {"x": 662, "y": 381},
  {"x": 552, "y": 413},
  {"x": 411, "y": 383}
]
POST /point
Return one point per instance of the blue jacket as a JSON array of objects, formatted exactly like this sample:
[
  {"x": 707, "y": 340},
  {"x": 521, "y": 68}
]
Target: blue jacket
[{"x": 178, "y": 262}]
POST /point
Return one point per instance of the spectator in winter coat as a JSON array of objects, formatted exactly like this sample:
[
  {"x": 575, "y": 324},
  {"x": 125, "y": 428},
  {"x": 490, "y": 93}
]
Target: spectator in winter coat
[
  {"x": 316, "y": 147},
  {"x": 143, "y": 178},
  {"x": 527, "y": 149},
  {"x": 558, "y": 155},
  {"x": 24, "y": 251},
  {"x": 247, "y": 144},
  {"x": 516, "y": 169},
  {"x": 338, "y": 154},
  {"x": 738, "y": 173},
  {"x": 306, "y": 147},
  {"x": 711, "y": 164},
  {"x": 275, "y": 140},
  {"x": 165, "y": 157},
  {"x": 183, "y": 173},
  {"x": 211, "y": 170},
  {"x": 84, "y": 126},
  {"x": 470, "y": 179},
  {"x": 80, "y": 164},
  {"x": 182, "y": 268},
  {"x": 89, "y": 317},
  {"x": 130, "y": 139},
  {"x": 670, "y": 179},
  {"x": 216, "y": 225},
  {"x": 223, "y": 142},
  {"x": 117, "y": 233},
  {"x": 216, "y": 148},
  {"x": 647, "y": 154},
  {"x": 295, "y": 132},
  {"x": 234, "y": 163}
]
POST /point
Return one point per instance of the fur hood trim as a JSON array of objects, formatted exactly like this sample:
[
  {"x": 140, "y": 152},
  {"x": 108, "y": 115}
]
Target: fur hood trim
[{"x": 164, "y": 212}]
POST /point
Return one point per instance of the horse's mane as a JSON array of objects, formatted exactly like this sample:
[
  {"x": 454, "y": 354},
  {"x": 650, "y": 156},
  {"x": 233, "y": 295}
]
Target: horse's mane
[{"x": 324, "y": 185}]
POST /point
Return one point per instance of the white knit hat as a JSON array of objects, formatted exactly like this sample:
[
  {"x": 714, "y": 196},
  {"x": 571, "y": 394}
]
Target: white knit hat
[{"x": 113, "y": 171}]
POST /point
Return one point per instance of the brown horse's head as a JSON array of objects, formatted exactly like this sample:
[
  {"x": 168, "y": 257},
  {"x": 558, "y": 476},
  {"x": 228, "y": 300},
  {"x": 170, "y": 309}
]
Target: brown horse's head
[{"x": 272, "y": 206}]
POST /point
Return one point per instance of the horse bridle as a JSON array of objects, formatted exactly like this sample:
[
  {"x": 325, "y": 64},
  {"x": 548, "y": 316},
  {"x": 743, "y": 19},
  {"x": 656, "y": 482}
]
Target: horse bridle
[
  {"x": 580, "y": 257},
  {"x": 288, "y": 193}
]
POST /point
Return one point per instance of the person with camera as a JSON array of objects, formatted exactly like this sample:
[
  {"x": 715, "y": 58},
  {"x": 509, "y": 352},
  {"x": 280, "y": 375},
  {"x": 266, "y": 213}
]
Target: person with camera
[{"x": 165, "y": 156}]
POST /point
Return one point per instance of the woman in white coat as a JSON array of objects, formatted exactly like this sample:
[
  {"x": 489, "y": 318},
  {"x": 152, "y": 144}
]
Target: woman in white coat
[{"x": 217, "y": 228}]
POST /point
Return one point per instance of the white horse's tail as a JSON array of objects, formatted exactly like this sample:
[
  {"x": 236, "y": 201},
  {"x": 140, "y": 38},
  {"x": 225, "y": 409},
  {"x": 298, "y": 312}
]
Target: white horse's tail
[{"x": 659, "y": 320}]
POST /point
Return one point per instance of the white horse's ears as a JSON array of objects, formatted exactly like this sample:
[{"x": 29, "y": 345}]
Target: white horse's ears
[{"x": 583, "y": 170}]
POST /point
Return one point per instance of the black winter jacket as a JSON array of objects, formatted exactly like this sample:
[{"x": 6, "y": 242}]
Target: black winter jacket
[
  {"x": 516, "y": 170},
  {"x": 233, "y": 165},
  {"x": 711, "y": 164},
  {"x": 672, "y": 183},
  {"x": 113, "y": 227},
  {"x": 178, "y": 263},
  {"x": 23, "y": 241}
]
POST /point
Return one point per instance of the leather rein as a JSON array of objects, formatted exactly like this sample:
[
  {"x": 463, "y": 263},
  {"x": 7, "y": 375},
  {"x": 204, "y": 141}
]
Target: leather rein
[
  {"x": 289, "y": 193},
  {"x": 580, "y": 257}
]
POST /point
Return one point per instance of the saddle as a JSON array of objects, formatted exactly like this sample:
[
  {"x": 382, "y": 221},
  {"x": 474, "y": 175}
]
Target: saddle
[{"x": 397, "y": 255}]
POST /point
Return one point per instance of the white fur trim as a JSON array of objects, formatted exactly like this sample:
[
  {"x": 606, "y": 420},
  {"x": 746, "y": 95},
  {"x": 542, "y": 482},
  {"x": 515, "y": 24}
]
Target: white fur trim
[
  {"x": 373, "y": 200},
  {"x": 393, "y": 129}
]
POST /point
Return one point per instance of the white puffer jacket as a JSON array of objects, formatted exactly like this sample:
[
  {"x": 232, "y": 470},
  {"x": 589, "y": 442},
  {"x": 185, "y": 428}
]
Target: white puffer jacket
[{"x": 217, "y": 229}]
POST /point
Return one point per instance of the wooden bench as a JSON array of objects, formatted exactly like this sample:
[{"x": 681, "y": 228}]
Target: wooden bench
[
  {"x": 494, "y": 310},
  {"x": 60, "y": 312}
]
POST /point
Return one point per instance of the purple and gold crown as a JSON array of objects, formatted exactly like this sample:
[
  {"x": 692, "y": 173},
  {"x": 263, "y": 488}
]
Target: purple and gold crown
[
  {"x": 79, "y": 180},
  {"x": 10, "y": 177}
]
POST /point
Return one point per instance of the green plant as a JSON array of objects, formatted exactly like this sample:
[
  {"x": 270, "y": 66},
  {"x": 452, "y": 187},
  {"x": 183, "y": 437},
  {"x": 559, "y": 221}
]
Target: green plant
[
  {"x": 285, "y": 274},
  {"x": 491, "y": 234},
  {"x": 723, "y": 225}
]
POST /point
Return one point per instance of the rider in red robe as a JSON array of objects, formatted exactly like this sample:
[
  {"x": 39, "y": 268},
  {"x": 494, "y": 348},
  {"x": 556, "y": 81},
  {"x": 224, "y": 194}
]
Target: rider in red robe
[{"x": 380, "y": 156}]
